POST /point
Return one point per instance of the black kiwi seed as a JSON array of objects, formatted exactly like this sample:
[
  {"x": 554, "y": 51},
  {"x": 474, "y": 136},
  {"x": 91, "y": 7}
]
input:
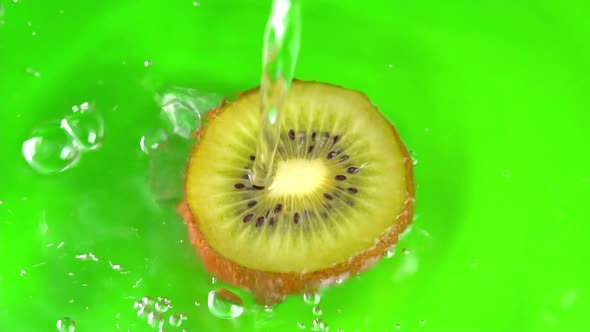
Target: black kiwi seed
[
  {"x": 340, "y": 177},
  {"x": 352, "y": 190},
  {"x": 257, "y": 187},
  {"x": 296, "y": 218},
  {"x": 259, "y": 221},
  {"x": 252, "y": 158},
  {"x": 313, "y": 135},
  {"x": 239, "y": 186},
  {"x": 328, "y": 196},
  {"x": 266, "y": 214},
  {"x": 292, "y": 134},
  {"x": 310, "y": 149},
  {"x": 336, "y": 139},
  {"x": 353, "y": 170},
  {"x": 344, "y": 157},
  {"x": 332, "y": 154},
  {"x": 271, "y": 221},
  {"x": 278, "y": 208},
  {"x": 251, "y": 204},
  {"x": 248, "y": 217}
]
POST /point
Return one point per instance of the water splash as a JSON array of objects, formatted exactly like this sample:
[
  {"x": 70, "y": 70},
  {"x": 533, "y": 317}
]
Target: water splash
[{"x": 281, "y": 49}]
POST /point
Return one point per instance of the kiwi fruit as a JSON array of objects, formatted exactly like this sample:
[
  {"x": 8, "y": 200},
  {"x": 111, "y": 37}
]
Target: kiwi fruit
[{"x": 341, "y": 193}]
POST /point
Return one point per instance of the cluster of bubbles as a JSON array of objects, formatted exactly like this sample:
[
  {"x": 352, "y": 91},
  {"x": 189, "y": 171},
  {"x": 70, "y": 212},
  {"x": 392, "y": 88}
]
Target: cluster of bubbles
[
  {"x": 182, "y": 111},
  {"x": 318, "y": 324},
  {"x": 154, "y": 312},
  {"x": 58, "y": 146}
]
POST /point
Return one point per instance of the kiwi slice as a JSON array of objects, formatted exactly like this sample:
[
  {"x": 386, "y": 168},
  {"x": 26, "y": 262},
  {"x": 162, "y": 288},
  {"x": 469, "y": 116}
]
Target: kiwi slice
[{"x": 341, "y": 194}]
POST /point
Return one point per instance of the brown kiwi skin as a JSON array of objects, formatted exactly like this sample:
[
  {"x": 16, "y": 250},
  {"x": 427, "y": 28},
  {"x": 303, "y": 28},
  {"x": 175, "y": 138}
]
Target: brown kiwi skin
[{"x": 271, "y": 288}]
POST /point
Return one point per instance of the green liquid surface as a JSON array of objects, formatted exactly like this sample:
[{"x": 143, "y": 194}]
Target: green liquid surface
[{"x": 492, "y": 98}]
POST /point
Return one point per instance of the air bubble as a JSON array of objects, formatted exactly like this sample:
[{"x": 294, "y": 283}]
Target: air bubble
[
  {"x": 66, "y": 324},
  {"x": 311, "y": 298},
  {"x": 147, "y": 63},
  {"x": 86, "y": 128},
  {"x": 152, "y": 140},
  {"x": 397, "y": 326},
  {"x": 301, "y": 325},
  {"x": 405, "y": 251},
  {"x": 176, "y": 320},
  {"x": 414, "y": 157},
  {"x": 390, "y": 253},
  {"x": 317, "y": 310},
  {"x": 50, "y": 150},
  {"x": 319, "y": 325},
  {"x": 182, "y": 118},
  {"x": 156, "y": 320},
  {"x": 225, "y": 304},
  {"x": 422, "y": 322},
  {"x": 163, "y": 304}
]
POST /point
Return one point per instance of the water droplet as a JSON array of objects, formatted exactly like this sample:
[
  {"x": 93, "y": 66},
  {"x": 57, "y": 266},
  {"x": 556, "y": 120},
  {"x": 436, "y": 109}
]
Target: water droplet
[
  {"x": 414, "y": 157},
  {"x": 422, "y": 322},
  {"x": 311, "y": 298},
  {"x": 152, "y": 140},
  {"x": 301, "y": 325},
  {"x": 319, "y": 325},
  {"x": 147, "y": 63},
  {"x": 198, "y": 304},
  {"x": 390, "y": 65},
  {"x": 183, "y": 119},
  {"x": 397, "y": 326},
  {"x": 176, "y": 320},
  {"x": 506, "y": 174},
  {"x": 163, "y": 304},
  {"x": 156, "y": 320},
  {"x": 87, "y": 257},
  {"x": 23, "y": 272},
  {"x": 33, "y": 72},
  {"x": 267, "y": 308},
  {"x": 196, "y": 3},
  {"x": 390, "y": 252},
  {"x": 66, "y": 324},
  {"x": 50, "y": 150},
  {"x": 473, "y": 263},
  {"x": 405, "y": 251},
  {"x": 213, "y": 280},
  {"x": 316, "y": 311},
  {"x": 225, "y": 304},
  {"x": 86, "y": 128}
]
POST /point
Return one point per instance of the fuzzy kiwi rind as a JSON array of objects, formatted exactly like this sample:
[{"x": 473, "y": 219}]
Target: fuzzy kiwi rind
[{"x": 272, "y": 287}]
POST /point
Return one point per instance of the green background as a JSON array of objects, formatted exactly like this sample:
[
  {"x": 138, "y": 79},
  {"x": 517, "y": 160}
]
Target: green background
[{"x": 492, "y": 96}]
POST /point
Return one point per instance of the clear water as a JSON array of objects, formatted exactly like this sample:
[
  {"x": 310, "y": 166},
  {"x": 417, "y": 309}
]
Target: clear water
[{"x": 280, "y": 52}]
